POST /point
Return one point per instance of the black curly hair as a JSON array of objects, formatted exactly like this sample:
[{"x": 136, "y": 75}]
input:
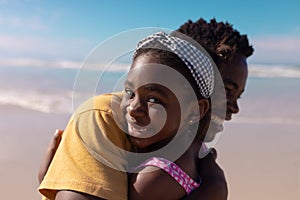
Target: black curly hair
[{"x": 219, "y": 39}]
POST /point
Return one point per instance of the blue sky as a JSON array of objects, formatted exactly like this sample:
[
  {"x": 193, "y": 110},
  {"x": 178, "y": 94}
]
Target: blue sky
[{"x": 33, "y": 31}]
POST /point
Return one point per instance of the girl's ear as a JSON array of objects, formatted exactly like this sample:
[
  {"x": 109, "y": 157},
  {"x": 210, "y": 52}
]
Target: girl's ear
[
  {"x": 198, "y": 110},
  {"x": 203, "y": 107}
]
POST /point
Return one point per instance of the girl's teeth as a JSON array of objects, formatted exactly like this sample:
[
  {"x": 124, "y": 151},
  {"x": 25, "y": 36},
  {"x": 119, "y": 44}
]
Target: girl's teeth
[{"x": 140, "y": 130}]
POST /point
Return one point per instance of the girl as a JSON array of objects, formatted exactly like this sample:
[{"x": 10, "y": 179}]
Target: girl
[{"x": 142, "y": 104}]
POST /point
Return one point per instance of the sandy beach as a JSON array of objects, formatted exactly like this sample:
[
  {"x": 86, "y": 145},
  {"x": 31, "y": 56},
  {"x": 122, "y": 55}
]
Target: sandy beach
[
  {"x": 25, "y": 136},
  {"x": 261, "y": 161}
]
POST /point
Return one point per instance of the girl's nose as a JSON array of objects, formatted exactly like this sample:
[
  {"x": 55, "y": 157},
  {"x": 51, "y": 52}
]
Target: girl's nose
[{"x": 139, "y": 111}]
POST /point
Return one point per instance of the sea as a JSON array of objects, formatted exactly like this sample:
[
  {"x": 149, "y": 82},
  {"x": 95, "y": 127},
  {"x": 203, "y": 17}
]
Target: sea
[{"x": 272, "y": 92}]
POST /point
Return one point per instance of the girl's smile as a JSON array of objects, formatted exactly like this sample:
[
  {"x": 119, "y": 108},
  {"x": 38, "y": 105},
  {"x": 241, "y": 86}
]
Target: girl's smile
[{"x": 135, "y": 130}]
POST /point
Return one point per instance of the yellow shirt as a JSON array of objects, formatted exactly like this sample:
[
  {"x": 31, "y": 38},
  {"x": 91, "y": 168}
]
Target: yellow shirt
[{"x": 80, "y": 163}]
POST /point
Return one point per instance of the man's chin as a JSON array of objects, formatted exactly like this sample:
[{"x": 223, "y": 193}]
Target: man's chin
[{"x": 213, "y": 130}]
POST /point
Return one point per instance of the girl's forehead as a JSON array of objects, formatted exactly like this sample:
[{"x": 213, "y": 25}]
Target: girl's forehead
[
  {"x": 148, "y": 67},
  {"x": 156, "y": 73},
  {"x": 164, "y": 76}
]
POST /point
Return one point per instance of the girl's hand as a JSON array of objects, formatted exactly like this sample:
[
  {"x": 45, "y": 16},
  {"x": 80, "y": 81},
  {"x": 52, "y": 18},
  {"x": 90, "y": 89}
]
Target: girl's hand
[{"x": 49, "y": 154}]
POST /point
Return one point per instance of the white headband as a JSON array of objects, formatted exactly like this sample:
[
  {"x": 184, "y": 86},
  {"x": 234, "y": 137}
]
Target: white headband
[{"x": 198, "y": 63}]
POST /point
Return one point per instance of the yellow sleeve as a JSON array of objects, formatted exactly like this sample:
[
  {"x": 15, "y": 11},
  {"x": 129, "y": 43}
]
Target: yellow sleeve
[{"x": 77, "y": 164}]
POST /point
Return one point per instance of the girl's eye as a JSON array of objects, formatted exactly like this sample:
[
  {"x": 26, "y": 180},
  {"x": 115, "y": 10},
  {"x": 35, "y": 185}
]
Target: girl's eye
[
  {"x": 154, "y": 100},
  {"x": 129, "y": 93}
]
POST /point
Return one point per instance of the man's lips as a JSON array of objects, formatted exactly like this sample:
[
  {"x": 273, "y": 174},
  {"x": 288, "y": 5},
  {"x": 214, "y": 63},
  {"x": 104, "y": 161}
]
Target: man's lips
[
  {"x": 228, "y": 115},
  {"x": 218, "y": 122}
]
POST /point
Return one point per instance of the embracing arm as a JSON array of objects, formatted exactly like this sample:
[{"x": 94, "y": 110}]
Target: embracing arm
[
  {"x": 210, "y": 190},
  {"x": 49, "y": 154},
  {"x": 214, "y": 185}
]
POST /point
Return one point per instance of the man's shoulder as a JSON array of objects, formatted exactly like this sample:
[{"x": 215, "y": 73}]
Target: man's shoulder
[{"x": 103, "y": 102}]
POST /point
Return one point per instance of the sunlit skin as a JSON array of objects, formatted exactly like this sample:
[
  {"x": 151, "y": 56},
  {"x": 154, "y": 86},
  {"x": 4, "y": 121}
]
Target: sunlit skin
[
  {"x": 234, "y": 74},
  {"x": 146, "y": 107},
  {"x": 145, "y": 100},
  {"x": 152, "y": 111}
]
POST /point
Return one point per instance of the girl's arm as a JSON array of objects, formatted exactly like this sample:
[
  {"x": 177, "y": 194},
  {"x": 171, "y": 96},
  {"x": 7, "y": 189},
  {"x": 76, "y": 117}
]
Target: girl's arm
[{"x": 153, "y": 183}]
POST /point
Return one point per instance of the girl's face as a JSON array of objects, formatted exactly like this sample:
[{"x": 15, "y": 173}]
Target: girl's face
[
  {"x": 234, "y": 76},
  {"x": 152, "y": 111}
]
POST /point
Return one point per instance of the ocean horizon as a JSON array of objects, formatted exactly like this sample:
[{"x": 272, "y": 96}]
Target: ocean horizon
[{"x": 61, "y": 90}]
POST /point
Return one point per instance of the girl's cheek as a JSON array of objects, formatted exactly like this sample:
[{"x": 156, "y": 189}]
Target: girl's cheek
[
  {"x": 124, "y": 104},
  {"x": 158, "y": 116}
]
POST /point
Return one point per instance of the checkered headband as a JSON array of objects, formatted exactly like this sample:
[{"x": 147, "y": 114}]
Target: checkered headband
[{"x": 197, "y": 62}]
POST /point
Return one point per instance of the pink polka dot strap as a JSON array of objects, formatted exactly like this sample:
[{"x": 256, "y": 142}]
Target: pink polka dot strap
[{"x": 174, "y": 171}]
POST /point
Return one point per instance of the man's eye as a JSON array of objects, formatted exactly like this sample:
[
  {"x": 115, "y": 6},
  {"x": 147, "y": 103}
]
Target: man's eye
[{"x": 227, "y": 89}]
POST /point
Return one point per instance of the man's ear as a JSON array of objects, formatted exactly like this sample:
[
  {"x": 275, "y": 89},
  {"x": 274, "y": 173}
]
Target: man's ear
[{"x": 198, "y": 110}]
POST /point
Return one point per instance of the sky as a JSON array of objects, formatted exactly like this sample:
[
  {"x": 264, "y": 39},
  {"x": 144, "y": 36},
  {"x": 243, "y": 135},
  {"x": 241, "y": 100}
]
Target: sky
[{"x": 62, "y": 33}]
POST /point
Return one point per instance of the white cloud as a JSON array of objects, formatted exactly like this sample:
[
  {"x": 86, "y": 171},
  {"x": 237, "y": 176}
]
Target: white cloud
[
  {"x": 39, "y": 49},
  {"x": 43, "y": 47},
  {"x": 17, "y": 44},
  {"x": 34, "y": 23},
  {"x": 277, "y": 49},
  {"x": 25, "y": 62},
  {"x": 274, "y": 70},
  {"x": 31, "y": 62}
]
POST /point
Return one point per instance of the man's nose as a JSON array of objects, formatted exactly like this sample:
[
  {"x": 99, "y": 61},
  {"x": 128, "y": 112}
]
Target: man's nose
[{"x": 234, "y": 107}]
